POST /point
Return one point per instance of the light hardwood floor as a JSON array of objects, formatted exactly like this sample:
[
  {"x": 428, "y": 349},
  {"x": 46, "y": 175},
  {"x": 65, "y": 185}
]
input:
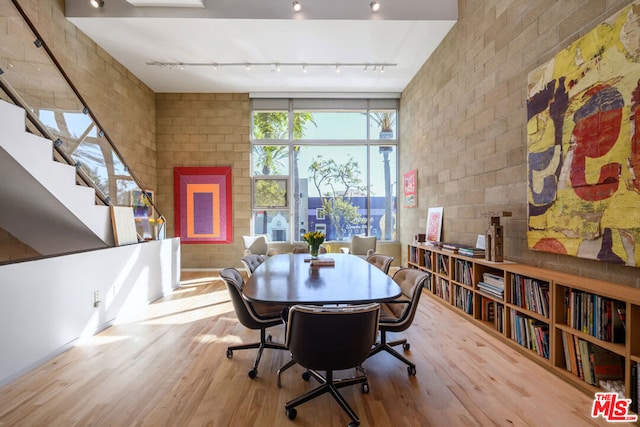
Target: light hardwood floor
[{"x": 167, "y": 367}]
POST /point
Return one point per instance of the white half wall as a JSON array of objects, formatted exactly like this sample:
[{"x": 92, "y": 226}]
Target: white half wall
[{"x": 47, "y": 304}]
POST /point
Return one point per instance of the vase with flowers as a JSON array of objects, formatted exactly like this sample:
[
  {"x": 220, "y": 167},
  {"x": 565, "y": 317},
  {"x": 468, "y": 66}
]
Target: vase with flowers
[{"x": 314, "y": 239}]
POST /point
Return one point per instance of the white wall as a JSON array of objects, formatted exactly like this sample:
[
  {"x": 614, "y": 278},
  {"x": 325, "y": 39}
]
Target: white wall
[{"x": 47, "y": 304}]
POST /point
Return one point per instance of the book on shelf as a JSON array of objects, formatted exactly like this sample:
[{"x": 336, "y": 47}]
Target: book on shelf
[
  {"x": 427, "y": 260},
  {"x": 565, "y": 347},
  {"x": 433, "y": 244},
  {"x": 578, "y": 357},
  {"x": 594, "y": 315},
  {"x": 452, "y": 247},
  {"x": 413, "y": 254},
  {"x": 443, "y": 264},
  {"x": 530, "y": 333},
  {"x": 571, "y": 355},
  {"x": 530, "y": 293},
  {"x": 493, "y": 279},
  {"x": 487, "y": 309},
  {"x": 463, "y": 272},
  {"x": 606, "y": 365},
  {"x": 587, "y": 361},
  {"x": 491, "y": 290},
  {"x": 472, "y": 252},
  {"x": 499, "y": 317},
  {"x": 622, "y": 316}
]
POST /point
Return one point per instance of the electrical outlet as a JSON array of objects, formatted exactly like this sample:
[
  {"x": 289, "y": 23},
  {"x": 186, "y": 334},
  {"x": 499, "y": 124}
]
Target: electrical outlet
[{"x": 96, "y": 299}]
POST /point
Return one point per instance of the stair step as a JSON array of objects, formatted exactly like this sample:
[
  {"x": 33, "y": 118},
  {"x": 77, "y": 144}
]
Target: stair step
[
  {"x": 71, "y": 206},
  {"x": 12, "y": 118}
]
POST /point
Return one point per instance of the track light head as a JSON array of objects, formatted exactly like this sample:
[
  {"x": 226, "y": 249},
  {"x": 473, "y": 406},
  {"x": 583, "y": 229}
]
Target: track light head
[
  {"x": 297, "y": 7},
  {"x": 375, "y": 6},
  {"x": 97, "y": 3}
]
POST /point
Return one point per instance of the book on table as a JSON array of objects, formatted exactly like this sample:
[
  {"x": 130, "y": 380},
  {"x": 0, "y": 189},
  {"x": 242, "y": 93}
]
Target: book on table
[{"x": 323, "y": 262}]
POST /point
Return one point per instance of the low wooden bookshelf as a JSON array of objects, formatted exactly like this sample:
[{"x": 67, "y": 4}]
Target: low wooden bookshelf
[{"x": 586, "y": 331}]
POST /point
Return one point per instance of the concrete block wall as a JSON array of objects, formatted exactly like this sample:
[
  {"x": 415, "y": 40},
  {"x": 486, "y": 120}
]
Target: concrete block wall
[
  {"x": 465, "y": 114},
  {"x": 124, "y": 106},
  {"x": 206, "y": 130}
]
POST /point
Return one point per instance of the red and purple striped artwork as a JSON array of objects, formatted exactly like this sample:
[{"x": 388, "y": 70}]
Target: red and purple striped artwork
[{"x": 202, "y": 204}]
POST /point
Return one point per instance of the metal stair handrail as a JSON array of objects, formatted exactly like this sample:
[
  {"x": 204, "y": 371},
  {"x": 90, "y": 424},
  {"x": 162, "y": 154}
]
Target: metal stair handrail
[{"x": 40, "y": 43}]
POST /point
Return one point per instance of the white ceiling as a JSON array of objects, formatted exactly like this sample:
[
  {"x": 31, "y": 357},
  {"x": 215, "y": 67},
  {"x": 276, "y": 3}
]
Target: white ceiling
[{"x": 326, "y": 32}]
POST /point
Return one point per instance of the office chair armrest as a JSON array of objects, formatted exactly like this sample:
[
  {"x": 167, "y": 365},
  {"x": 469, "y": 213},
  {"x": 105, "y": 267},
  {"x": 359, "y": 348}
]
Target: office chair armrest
[
  {"x": 370, "y": 252},
  {"x": 344, "y": 250},
  {"x": 398, "y": 302}
]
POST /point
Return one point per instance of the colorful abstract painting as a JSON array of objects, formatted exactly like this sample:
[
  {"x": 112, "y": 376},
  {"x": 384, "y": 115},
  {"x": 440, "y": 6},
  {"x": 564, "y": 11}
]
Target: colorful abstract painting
[
  {"x": 583, "y": 128},
  {"x": 202, "y": 204},
  {"x": 434, "y": 224},
  {"x": 410, "y": 187}
]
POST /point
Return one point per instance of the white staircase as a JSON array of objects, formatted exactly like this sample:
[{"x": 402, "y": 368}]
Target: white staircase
[{"x": 40, "y": 203}]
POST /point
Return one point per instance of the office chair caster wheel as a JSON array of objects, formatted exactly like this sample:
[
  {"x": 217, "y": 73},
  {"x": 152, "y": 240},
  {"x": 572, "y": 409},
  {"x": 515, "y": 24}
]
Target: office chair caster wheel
[
  {"x": 253, "y": 373},
  {"x": 365, "y": 388},
  {"x": 412, "y": 371},
  {"x": 291, "y": 413},
  {"x": 229, "y": 354},
  {"x": 354, "y": 424},
  {"x": 306, "y": 375},
  {"x": 269, "y": 338},
  {"x": 406, "y": 346}
]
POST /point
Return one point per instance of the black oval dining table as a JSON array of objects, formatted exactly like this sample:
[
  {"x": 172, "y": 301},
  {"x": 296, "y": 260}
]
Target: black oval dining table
[{"x": 291, "y": 279}]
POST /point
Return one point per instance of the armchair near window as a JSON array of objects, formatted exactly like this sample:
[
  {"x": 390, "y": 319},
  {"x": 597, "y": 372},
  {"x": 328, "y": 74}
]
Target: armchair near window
[
  {"x": 258, "y": 244},
  {"x": 362, "y": 246}
]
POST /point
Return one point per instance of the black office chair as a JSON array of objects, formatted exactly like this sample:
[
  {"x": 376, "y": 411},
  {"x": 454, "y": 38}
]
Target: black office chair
[
  {"x": 331, "y": 339},
  {"x": 252, "y": 316},
  {"x": 397, "y": 315},
  {"x": 251, "y": 262},
  {"x": 383, "y": 262}
]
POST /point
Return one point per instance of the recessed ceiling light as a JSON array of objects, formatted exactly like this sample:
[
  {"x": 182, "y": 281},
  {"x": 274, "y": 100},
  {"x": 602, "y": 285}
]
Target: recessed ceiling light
[{"x": 297, "y": 7}]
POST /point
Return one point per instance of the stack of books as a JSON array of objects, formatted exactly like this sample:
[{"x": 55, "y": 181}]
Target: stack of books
[
  {"x": 452, "y": 247},
  {"x": 492, "y": 284},
  {"x": 323, "y": 262},
  {"x": 472, "y": 252}
]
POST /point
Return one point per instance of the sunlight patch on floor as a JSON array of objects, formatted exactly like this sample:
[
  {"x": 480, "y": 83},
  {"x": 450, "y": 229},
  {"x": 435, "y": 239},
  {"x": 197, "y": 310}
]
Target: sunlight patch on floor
[
  {"x": 212, "y": 339},
  {"x": 192, "y": 315},
  {"x": 101, "y": 340},
  {"x": 199, "y": 281}
]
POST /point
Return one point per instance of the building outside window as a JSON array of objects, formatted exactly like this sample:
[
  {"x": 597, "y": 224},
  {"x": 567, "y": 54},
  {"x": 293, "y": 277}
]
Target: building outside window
[{"x": 324, "y": 165}]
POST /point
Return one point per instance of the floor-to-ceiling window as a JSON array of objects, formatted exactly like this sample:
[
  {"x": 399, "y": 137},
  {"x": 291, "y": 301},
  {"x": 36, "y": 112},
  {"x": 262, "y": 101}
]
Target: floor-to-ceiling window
[{"x": 324, "y": 164}]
